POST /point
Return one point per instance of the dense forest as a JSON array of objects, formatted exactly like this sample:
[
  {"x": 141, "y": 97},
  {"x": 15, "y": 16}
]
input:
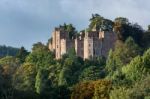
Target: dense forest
[
  {"x": 124, "y": 74},
  {"x": 8, "y": 51}
]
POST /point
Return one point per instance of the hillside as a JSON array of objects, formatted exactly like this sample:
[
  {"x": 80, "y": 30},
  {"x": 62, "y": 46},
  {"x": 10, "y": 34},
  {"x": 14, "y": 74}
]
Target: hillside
[
  {"x": 123, "y": 74},
  {"x": 8, "y": 51}
]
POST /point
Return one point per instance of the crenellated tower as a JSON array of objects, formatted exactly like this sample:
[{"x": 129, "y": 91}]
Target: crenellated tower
[{"x": 87, "y": 44}]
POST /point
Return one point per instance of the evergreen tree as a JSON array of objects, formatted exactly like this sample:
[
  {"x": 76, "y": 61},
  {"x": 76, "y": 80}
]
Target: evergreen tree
[{"x": 22, "y": 54}]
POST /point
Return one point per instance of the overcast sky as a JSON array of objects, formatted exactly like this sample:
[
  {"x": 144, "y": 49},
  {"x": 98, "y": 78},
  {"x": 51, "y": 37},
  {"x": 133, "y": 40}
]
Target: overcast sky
[{"x": 24, "y": 22}]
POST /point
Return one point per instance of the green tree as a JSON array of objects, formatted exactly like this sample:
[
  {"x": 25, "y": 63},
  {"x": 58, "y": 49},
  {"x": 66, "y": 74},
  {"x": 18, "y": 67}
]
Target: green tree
[
  {"x": 98, "y": 22},
  {"x": 124, "y": 29},
  {"x": 135, "y": 70},
  {"x": 146, "y": 59},
  {"x": 8, "y": 66},
  {"x": 24, "y": 78},
  {"x": 83, "y": 90},
  {"x": 121, "y": 56},
  {"x": 146, "y": 39},
  {"x": 8, "y": 51},
  {"x": 92, "y": 73},
  {"x": 39, "y": 47},
  {"x": 148, "y": 27},
  {"x": 22, "y": 54},
  {"x": 72, "y": 53},
  {"x": 70, "y": 29},
  {"x": 92, "y": 90},
  {"x": 70, "y": 71},
  {"x": 42, "y": 83},
  {"x": 132, "y": 50},
  {"x": 120, "y": 93},
  {"x": 42, "y": 58},
  {"x": 102, "y": 89},
  {"x": 110, "y": 63}
]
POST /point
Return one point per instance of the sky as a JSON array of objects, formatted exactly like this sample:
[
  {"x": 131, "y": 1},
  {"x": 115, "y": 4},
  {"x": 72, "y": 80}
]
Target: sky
[{"x": 25, "y": 22}]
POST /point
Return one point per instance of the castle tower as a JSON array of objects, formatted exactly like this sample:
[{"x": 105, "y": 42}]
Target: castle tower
[
  {"x": 108, "y": 39},
  {"x": 87, "y": 45},
  {"x": 79, "y": 45},
  {"x": 61, "y": 43}
]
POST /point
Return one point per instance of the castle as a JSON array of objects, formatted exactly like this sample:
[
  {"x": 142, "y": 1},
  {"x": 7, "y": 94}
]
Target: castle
[{"x": 87, "y": 44}]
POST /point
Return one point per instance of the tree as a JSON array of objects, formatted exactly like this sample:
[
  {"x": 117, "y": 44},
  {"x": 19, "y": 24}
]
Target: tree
[
  {"x": 92, "y": 73},
  {"x": 135, "y": 70},
  {"x": 132, "y": 50},
  {"x": 8, "y": 51},
  {"x": 120, "y": 93},
  {"x": 72, "y": 53},
  {"x": 110, "y": 63},
  {"x": 22, "y": 54},
  {"x": 146, "y": 59},
  {"x": 102, "y": 89},
  {"x": 8, "y": 66},
  {"x": 83, "y": 90},
  {"x": 39, "y": 47},
  {"x": 42, "y": 84},
  {"x": 124, "y": 29},
  {"x": 139, "y": 90},
  {"x": 146, "y": 39},
  {"x": 70, "y": 29},
  {"x": 41, "y": 58},
  {"x": 148, "y": 27},
  {"x": 98, "y": 22},
  {"x": 24, "y": 78},
  {"x": 121, "y": 56},
  {"x": 70, "y": 71},
  {"x": 92, "y": 90},
  {"x": 61, "y": 92}
]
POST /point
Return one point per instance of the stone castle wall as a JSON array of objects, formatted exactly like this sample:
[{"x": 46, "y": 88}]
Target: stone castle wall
[{"x": 92, "y": 44}]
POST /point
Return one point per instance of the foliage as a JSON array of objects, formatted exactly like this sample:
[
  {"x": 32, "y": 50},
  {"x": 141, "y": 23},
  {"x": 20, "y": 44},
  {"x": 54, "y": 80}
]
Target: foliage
[
  {"x": 8, "y": 51},
  {"x": 102, "y": 89},
  {"x": 148, "y": 27},
  {"x": 146, "y": 59},
  {"x": 83, "y": 90},
  {"x": 124, "y": 74},
  {"x": 24, "y": 78},
  {"x": 124, "y": 29},
  {"x": 70, "y": 29},
  {"x": 122, "y": 55},
  {"x": 92, "y": 90},
  {"x": 137, "y": 69},
  {"x": 98, "y": 22},
  {"x": 120, "y": 93},
  {"x": 146, "y": 40},
  {"x": 8, "y": 66},
  {"x": 140, "y": 90},
  {"x": 92, "y": 73},
  {"x": 22, "y": 54},
  {"x": 42, "y": 58}
]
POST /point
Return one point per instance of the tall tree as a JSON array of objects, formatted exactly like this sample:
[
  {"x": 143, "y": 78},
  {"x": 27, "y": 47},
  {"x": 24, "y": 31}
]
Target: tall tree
[
  {"x": 22, "y": 54},
  {"x": 42, "y": 84},
  {"x": 124, "y": 29},
  {"x": 98, "y": 22},
  {"x": 148, "y": 27}
]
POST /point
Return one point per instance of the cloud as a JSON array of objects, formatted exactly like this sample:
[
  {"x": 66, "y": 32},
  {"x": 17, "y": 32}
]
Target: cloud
[
  {"x": 135, "y": 10},
  {"x": 24, "y": 22}
]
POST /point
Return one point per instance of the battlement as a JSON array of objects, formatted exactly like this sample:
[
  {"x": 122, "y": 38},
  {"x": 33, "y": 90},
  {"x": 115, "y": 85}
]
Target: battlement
[{"x": 86, "y": 44}]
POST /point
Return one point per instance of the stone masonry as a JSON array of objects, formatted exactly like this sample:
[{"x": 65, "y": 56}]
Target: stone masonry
[{"x": 87, "y": 44}]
